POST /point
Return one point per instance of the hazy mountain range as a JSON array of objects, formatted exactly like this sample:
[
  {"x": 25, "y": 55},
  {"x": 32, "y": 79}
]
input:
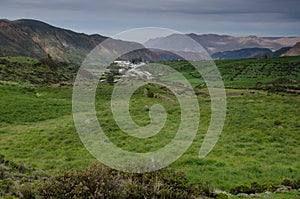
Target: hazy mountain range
[
  {"x": 38, "y": 39},
  {"x": 229, "y": 47}
]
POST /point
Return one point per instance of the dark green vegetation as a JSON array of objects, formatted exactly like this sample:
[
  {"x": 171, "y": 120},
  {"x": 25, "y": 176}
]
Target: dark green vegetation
[
  {"x": 28, "y": 71},
  {"x": 101, "y": 182},
  {"x": 96, "y": 181},
  {"x": 250, "y": 73},
  {"x": 258, "y": 148}
]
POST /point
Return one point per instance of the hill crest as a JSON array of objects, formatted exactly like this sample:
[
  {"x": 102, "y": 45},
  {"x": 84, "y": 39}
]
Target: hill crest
[{"x": 32, "y": 38}]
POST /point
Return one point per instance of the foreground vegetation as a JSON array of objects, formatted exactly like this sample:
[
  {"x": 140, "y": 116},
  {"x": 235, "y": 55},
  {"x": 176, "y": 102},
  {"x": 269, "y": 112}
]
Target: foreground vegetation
[
  {"x": 259, "y": 145},
  {"x": 96, "y": 181}
]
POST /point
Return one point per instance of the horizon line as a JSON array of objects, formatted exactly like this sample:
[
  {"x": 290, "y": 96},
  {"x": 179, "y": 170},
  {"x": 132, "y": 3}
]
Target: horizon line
[{"x": 186, "y": 33}]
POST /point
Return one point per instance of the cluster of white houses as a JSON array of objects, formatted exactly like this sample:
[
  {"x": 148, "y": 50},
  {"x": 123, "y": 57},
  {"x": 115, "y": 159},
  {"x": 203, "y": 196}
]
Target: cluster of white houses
[{"x": 127, "y": 68}]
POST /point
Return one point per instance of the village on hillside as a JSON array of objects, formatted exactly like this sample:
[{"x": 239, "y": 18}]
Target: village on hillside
[{"x": 119, "y": 69}]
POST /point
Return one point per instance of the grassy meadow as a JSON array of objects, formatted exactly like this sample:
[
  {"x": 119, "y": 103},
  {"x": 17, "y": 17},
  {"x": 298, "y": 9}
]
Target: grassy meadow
[{"x": 260, "y": 141}]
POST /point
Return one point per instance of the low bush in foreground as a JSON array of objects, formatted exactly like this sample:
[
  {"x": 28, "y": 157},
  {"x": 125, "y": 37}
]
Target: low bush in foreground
[
  {"x": 286, "y": 184},
  {"x": 101, "y": 182},
  {"x": 97, "y": 181}
]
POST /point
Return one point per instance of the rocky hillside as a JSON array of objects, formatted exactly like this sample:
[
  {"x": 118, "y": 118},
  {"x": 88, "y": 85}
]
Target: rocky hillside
[
  {"x": 294, "y": 51},
  {"x": 37, "y": 39}
]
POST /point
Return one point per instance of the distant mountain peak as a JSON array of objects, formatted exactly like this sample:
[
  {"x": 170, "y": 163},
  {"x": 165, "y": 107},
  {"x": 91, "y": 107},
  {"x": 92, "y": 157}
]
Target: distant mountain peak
[
  {"x": 33, "y": 38},
  {"x": 214, "y": 43}
]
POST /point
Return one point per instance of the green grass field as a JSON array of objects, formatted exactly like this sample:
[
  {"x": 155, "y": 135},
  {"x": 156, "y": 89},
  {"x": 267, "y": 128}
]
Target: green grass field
[
  {"x": 245, "y": 73},
  {"x": 260, "y": 141}
]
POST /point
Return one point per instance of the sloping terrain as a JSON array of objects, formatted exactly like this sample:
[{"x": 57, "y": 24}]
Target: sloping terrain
[
  {"x": 294, "y": 51},
  {"x": 257, "y": 150},
  {"x": 37, "y": 39},
  {"x": 219, "y": 43},
  {"x": 243, "y": 53}
]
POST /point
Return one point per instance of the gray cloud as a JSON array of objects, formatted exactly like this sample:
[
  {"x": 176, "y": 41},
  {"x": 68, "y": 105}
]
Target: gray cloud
[{"x": 262, "y": 17}]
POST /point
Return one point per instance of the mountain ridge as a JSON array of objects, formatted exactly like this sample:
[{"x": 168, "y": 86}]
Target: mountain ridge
[
  {"x": 243, "y": 53},
  {"x": 217, "y": 43},
  {"x": 293, "y": 51},
  {"x": 37, "y": 39},
  {"x": 33, "y": 38}
]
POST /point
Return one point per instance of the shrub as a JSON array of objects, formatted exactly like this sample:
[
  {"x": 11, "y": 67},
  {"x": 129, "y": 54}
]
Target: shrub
[
  {"x": 28, "y": 191},
  {"x": 294, "y": 184},
  {"x": 269, "y": 187},
  {"x": 2, "y": 159},
  {"x": 287, "y": 182},
  {"x": 277, "y": 122},
  {"x": 222, "y": 196},
  {"x": 7, "y": 187},
  {"x": 101, "y": 182},
  {"x": 110, "y": 78},
  {"x": 240, "y": 189},
  {"x": 256, "y": 188},
  {"x": 149, "y": 93}
]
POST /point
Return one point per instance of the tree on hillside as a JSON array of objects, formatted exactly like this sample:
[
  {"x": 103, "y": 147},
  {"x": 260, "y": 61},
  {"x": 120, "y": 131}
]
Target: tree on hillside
[
  {"x": 110, "y": 78},
  {"x": 49, "y": 62}
]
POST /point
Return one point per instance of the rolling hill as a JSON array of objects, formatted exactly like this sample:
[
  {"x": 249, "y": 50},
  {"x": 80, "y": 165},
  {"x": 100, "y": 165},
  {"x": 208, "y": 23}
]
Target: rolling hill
[
  {"x": 252, "y": 53},
  {"x": 294, "y": 51},
  {"x": 37, "y": 39},
  {"x": 243, "y": 53},
  {"x": 214, "y": 43}
]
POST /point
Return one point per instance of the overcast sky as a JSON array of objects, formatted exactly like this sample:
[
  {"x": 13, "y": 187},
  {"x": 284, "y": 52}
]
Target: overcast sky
[{"x": 109, "y": 17}]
